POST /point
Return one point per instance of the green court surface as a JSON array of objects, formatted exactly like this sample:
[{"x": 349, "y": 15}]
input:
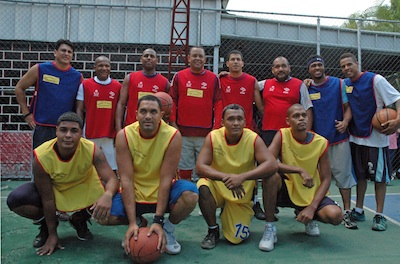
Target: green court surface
[{"x": 335, "y": 245}]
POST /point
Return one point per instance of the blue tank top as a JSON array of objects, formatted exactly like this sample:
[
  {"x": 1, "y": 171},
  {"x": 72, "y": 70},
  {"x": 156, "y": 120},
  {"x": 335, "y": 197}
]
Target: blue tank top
[
  {"x": 362, "y": 102},
  {"x": 328, "y": 107},
  {"x": 55, "y": 93}
]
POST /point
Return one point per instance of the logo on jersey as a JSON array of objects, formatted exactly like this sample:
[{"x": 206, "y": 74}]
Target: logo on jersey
[
  {"x": 228, "y": 89},
  {"x": 112, "y": 95},
  {"x": 242, "y": 90},
  {"x": 271, "y": 89},
  {"x": 96, "y": 93},
  {"x": 203, "y": 85},
  {"x": 140, "y": 85},
  {"x": 189, "y": 84},
  {"x": 286, "y": 90},
  {"x": 155, "y": 88}
]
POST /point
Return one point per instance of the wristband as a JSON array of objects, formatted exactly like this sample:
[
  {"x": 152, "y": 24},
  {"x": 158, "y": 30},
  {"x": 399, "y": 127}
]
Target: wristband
[
  {"x": 26, "y": 115},
  {"x": 158, "y": 220}
]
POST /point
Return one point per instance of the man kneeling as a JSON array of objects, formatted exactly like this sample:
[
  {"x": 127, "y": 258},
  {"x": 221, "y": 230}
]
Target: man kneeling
[{"x": 227, "y": 167}]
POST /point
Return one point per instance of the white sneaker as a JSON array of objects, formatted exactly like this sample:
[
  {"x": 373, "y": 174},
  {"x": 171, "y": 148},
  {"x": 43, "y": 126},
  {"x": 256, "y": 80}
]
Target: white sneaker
[
  {"x": 269, "y": 238},
  {"x": 312, "y": 228},
  {"x": 172, "y": 247}
]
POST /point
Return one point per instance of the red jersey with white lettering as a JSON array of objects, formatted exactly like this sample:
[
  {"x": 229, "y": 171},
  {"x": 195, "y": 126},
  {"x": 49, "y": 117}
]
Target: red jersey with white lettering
[
  {"x": 194, "y": 96},
  {"x": 141, "y": 85},
  {"x": 239, "y": 91},
  {"x": 278, "y": 97},
  {"x": 100, "y": 104}
]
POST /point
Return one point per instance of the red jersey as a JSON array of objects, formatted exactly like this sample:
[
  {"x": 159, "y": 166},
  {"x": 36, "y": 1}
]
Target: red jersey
[
  {"x": 194, "y": 96},
  {"x": 100, "y": 105},
  {"x": 239, "y": 91},
  {"x": 141, "y": 85},
  {"x": 278, "y": 97}
]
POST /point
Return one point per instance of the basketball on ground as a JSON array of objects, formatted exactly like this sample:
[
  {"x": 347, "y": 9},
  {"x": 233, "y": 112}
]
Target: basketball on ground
[
  {"x": 144, "y": 249},
  {"x": 382, "y": 116},
  {"x": 166, "y": 101}
]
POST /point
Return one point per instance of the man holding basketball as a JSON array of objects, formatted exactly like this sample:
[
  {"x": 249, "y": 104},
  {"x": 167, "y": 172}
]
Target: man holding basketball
[
  {"x": 228, "y": 171},
  {"x": 138, "y": 84},
  {"x": 148, "y": 153},
  {"x": 368, "y": 93}
]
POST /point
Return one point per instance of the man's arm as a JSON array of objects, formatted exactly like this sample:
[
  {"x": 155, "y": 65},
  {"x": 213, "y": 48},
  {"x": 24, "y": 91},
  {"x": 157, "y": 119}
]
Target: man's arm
[
  {"x": 341, "y": 125},
  {"x": 101, "y": 208},
  {"x": 29, "y": 79},
  {"x": 44, "y": 186},
  {"x": 125, "y": 170},
  {"x": 173, "y": 92},
  {"x": 123, "y": 98},
  {"x": 258, "y": 99},
  {"x": 305, "y": 101}
]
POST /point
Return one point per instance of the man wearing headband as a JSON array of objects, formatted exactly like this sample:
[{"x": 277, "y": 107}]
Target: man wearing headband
[{"x": 332, "y": 115}]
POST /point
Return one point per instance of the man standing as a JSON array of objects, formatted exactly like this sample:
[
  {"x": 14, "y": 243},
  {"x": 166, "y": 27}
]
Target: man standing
[
  {"x": 67, "y": 171},
  {"x": 240, "y": 88},
  {"x": 228, "y": 171},
  {"x": 195, "y": 92},
  {"x": 368, "y": 93},
  {"x": 305, "y": 180},
  {"x": 56, "y": 84},
  {"x": 148, "y": 153},
  {"x": 138, "y": 84},
  {"x": 98, "y": 96},
  {"x": 278, "y": 94},
  {"x": 332, "y": 115}
]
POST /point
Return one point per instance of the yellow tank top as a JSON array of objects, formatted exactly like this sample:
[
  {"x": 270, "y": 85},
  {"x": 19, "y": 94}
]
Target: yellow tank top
[
  {"x": 236, "y": 159},
  {"x": 148, "y": 155},
  {"x": 76, "y": 184},
  {"x": 305, "y": 155}
]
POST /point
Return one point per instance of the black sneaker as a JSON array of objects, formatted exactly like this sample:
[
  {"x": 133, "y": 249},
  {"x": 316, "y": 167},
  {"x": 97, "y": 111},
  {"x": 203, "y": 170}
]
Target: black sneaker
[
  {"x": 211, "y": 239},
  {"x": 40, "y": 239},
  {"x": 258, "y": 212},
  {"x": 349, "y": 221},
  {"x": 78, "y": 221}
]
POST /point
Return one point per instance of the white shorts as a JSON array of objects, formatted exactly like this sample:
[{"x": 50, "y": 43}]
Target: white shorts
[
  {"x": 191, "y": 147},
  {"x": 107, "y": 146},
  {"x": 341, "y": 165}
]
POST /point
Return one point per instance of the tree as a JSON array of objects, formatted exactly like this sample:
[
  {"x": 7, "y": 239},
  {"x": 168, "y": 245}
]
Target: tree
[{"x": 380, "y": 11}]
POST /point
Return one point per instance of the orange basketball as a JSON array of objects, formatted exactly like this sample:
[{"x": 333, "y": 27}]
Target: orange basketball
[
  {"x": 144, "y": 250},
  {"x": 166, "y": 101},
  {"x": 382, "y": 116}
]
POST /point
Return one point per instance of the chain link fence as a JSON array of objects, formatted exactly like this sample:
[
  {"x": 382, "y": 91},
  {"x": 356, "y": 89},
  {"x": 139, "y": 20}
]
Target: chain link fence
[{"x": 122, "y": 29}]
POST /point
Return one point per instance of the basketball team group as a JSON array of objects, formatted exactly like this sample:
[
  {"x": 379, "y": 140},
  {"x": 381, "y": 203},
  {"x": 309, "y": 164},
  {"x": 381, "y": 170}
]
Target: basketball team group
[{"x": 113, "y": 152}]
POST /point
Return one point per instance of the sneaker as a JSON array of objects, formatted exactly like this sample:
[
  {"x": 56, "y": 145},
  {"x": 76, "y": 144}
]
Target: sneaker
[
  {"x": 211, "y": 239},
  {"x": 379, "y": 223},
  {"x": 258, "y": 212},
  {"x": 172, "y": 247},
  {"x": 349, "y": 221},
  {"x": 312, "y": 228},
  {"x": 357, "y": 216},
  {"x": 62, "y": 216},
  {"x": 41, "y": 238},
  {"x": 269, "y": 238},
  {"x": 78, "y": 221}
]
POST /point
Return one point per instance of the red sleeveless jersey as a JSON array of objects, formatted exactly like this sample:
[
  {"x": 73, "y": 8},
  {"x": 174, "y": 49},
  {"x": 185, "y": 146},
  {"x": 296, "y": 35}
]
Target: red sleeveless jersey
[
  {"x": 239, "y": 91},
  {"x": 140, "y": 85},
  {"x": 100, "y": 105},
  {"x": 194, "y": 95},
  {"x": 278, "y": 97}
]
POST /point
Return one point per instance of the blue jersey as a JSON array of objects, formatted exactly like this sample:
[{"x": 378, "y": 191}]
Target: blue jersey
[
  {"x": 328, "y": 107},
  {"x": 363, "y": 104},
  {"x": 55, "y": 93}
]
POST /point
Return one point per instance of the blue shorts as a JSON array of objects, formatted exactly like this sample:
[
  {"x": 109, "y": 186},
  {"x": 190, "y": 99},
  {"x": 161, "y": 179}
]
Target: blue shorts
[{"x": 177, "y": 189}]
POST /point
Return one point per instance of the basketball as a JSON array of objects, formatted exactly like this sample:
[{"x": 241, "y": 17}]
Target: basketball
[
  {"x": 166, "y": 101},
  {"x": 382, "y": 116},
  {"x": 144, "y": 250}
]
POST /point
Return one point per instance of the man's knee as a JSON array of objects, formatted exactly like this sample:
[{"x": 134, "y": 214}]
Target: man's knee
[
  {"x": 331, "y": 214},
  {"x": 189, "y": 198}
]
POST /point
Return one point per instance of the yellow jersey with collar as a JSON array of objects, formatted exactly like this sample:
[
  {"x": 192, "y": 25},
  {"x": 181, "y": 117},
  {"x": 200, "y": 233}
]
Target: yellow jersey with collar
[
  {"x": 304, "y": 155},
  {"x": 76, "y": 184},
  {"x": 148, "y": 155}
]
